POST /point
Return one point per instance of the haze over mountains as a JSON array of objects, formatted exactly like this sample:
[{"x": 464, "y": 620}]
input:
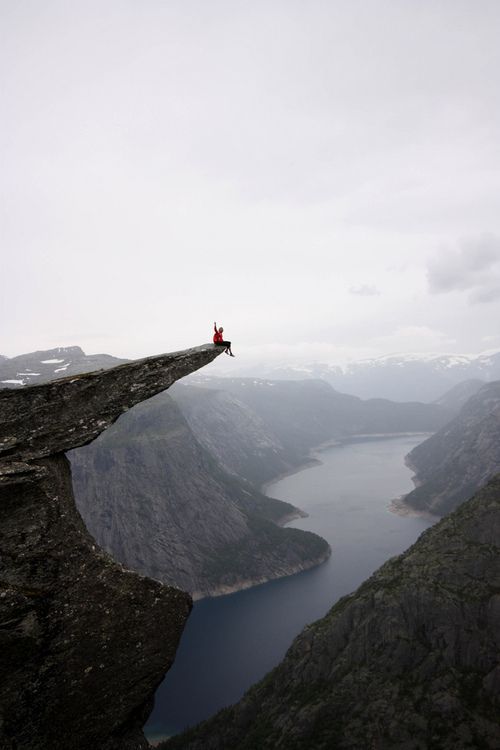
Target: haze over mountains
[
  {"x": 259, "y": 428},
  {"x": 155, "y": 498},
  {"x": 162, "y": 489},
  {"x": 399, "y": 377},
  {"x": 166, "y": 489}
]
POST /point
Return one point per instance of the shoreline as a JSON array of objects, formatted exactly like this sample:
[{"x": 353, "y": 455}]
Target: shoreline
[
  {"x": 313, "y": 458},
  {"x": 251, "y": 582},
  {"x": 308, "y": 463},
  {"x": 401, "y": 508},
  {"x": 395, "y": 506}
]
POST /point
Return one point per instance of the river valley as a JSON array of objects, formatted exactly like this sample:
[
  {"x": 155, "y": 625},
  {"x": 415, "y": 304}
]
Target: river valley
[{"x": 230, "y": 642}]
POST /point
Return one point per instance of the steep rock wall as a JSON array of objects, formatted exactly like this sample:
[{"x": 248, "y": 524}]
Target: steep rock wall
[
  {"x": 84, "y": 642},
  {"x": 159, "y": 503},
  {"x": 460, "y": 458}
]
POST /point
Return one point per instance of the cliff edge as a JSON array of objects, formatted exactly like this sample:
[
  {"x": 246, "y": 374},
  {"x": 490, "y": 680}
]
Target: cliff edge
[{"x": 85, "y": 643}]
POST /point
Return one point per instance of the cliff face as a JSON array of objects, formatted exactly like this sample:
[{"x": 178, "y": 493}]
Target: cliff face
[
  {"x": 156, "y": 499},
  {"x": 234, "y": 433},
  {"x": 271, "y": 426},
  {"x": 452, "y": 464},
  {"x": 84, "y": 642},
  {"x": 410, "y": 660}
]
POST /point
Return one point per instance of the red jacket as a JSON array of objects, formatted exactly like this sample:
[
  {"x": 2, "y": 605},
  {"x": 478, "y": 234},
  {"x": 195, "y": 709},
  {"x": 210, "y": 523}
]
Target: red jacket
[{"x": 217, "y": 336}]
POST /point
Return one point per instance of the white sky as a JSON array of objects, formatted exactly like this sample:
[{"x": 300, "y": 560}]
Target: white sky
[{"x": 320, "y": 176}]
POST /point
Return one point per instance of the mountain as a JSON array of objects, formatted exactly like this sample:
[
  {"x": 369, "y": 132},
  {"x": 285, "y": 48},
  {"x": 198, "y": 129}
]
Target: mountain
[
  {"x": 458, "y": 459},
  {"x": 85, "y": 643},
  {"x": 234, "y": 434},
  {"x": 456, "y": 397},
  {"x": 409, "y": 660},
  {"x": 260, "y": 428},
  {"x": 42, "y": 366},
  {"x": 160, "y": 503},
  {"x": 399, "y": 377},
  {"x": 163, "y": 493}
]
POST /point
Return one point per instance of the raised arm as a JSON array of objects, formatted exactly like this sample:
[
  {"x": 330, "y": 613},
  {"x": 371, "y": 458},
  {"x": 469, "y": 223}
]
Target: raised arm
[{"x": 215, "y": 326}]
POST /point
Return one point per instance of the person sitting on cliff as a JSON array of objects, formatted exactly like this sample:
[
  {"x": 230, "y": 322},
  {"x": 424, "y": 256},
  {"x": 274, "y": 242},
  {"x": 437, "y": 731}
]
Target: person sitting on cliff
[{"x": 219, "y": 340}]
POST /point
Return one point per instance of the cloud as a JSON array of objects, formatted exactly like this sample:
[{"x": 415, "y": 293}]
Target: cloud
[
  {"x": 414, "y": 338},
  {"x": 473, "y": 266},
  {"x": 485, "y": 295},
  {"x": 365, "y": 290}
]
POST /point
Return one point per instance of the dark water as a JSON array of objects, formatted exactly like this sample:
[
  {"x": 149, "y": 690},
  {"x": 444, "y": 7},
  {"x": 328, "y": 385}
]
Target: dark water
[{"x": 232, "y": 641}]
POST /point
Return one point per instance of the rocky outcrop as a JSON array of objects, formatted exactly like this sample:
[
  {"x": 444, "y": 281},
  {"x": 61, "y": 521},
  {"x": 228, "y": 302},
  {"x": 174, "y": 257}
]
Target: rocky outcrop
[
  {"x": 455, "y": 462},
  {"x": 410, "y": 660},
  {"x": 161, "y": 504},
  {"x": 84, "y": 642}
]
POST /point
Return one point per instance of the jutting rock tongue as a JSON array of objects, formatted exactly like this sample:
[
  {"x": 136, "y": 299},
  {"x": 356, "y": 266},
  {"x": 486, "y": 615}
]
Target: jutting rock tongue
[{"x": 85, "y": 642}]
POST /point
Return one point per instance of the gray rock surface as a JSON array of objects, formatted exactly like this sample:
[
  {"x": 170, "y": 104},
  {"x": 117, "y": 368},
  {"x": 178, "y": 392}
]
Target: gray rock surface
[
  {"x": 161, "y": 504},
  {"x": 84, "y": 642},
  {"x": 458, "y": 459},
  {"x": 234, "y": 433},
  {"x": 410, "y": 661}
]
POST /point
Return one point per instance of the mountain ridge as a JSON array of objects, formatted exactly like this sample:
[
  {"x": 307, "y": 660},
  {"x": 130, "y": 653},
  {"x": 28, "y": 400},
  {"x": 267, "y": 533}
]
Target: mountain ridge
[{"x": 398, "y": 377}]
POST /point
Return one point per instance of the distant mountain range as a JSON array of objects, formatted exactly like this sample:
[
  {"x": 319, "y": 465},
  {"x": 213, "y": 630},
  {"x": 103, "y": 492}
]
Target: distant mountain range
[
  {"x": 42, "y": 366},
  {"x": 171, "y": 488},
  {"x": 399, "y": 377},
  {"x": 258, "y": 428},
  {"x": 458, "y": 459}
]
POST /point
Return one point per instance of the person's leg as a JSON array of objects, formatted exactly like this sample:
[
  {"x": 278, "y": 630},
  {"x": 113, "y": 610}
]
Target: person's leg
[{"x": 227, "y": 345}]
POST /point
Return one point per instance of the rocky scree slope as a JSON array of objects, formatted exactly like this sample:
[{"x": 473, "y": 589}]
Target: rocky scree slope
[
  {"x": 84, "y": 642},
  {"x": 410, "y": 660},
  {"x": 455, "y": 462},
  {"x": 162, "y": 505}
]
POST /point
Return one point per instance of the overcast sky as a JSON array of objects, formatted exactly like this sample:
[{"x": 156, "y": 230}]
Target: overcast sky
[{"x": 320, "y": 176}]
